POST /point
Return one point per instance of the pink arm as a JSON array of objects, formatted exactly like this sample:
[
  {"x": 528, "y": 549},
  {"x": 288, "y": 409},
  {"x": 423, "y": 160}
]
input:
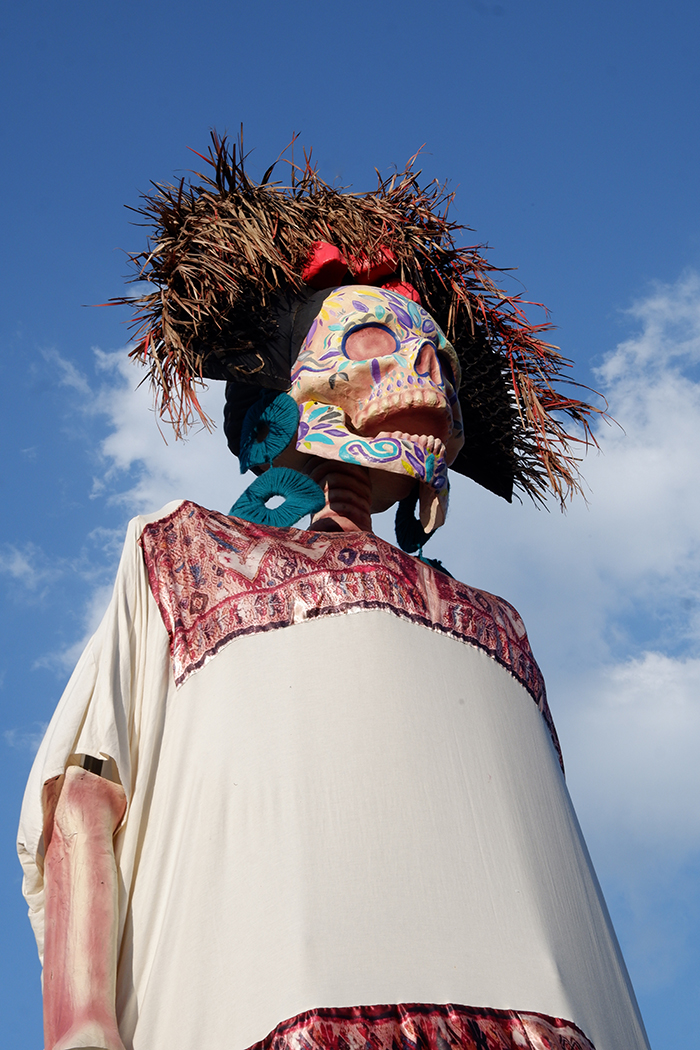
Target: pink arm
[{"x": 81, "y": 811}]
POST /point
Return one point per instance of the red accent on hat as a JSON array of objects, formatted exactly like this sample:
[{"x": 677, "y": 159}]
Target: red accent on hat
[
  {"x": 364, "y": 272},
  {"x": 325, "y": 267},
  {"x": 403, "y": 288}
]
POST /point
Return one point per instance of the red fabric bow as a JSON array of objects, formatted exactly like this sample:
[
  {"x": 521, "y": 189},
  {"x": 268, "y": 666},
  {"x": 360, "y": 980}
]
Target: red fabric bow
[{"x": 326, "y": 267}]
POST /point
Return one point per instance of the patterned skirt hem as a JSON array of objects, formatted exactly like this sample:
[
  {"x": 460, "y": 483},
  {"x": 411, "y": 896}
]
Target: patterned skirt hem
[{"x": 421, "y": 1026}]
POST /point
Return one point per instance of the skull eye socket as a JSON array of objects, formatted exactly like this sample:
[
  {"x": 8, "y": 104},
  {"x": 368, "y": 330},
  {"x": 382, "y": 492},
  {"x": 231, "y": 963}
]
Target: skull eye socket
[{"x": 369, "y": 340}]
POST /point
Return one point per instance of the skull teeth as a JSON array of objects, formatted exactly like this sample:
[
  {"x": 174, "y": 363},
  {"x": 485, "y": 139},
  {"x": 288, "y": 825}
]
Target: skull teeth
[
  {"x": 428, "y": 442},
  {"x": 426, "y": 398}
]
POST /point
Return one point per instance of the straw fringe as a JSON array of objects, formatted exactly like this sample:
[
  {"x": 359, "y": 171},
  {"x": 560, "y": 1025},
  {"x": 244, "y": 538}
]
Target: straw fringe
[{"x": 223, "y": 250}]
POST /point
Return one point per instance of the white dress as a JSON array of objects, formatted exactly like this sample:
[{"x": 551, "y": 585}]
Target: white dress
[{"x": 347, "y": 823}]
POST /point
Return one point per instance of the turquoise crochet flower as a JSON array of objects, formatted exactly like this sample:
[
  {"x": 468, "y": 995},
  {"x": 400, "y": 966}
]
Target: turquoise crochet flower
[
  {"x": 302, "y": 496},
  {"x": 268, "y": 427}
]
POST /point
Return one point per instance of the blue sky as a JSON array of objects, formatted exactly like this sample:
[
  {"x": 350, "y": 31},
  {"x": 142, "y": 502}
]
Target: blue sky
[{"x": 569, "y": 131}]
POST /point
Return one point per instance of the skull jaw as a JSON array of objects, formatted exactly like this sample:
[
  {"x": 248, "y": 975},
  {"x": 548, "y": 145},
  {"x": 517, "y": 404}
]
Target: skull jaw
[
  {"x": 431, "y": 415},
  {"x": 394, "y": 464},
  {"x": 387, "y": 488}
]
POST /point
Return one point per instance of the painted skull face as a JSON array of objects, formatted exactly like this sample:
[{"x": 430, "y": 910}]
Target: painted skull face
[{"x": 376, "y": 381}]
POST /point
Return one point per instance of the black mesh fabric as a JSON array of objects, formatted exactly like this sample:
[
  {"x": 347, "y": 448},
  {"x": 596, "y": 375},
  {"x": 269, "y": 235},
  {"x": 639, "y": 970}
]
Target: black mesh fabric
[{"x": 488, "y": 454}]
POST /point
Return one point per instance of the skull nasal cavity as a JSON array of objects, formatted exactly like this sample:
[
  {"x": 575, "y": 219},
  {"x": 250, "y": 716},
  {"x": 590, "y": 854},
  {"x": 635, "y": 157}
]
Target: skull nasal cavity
[
  {"x": 427, "y": 364},
  {"x": 372, "y": 340}
]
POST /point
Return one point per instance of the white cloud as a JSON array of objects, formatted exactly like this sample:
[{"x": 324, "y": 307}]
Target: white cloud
[
  {"x": 29, "y": 568},
  {"x": 138, "y": 471},
  {"x": 633, "y": 736},
  {"x": 141, "y": 465},
  {"x": 200, "y": 468},
  {"x": 641, "y": 724},
  {"x": 670, "y": 318}
]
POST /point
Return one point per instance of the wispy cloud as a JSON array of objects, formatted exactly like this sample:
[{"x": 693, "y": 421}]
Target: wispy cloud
[
  {"x": 68, "y": 375},
  {"x": 640, "y": 720},
  {"x": 141, "y": 466},
  {"x": 25, "y": 738},
  {"x": 62, "y": 661},
  {"x": 29, "y": 569}
]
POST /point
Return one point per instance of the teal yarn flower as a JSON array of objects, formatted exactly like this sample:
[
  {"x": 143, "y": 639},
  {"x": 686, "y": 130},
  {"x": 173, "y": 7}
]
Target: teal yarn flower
[
  {"x": 302, "y": 496},
  {"x": 268, "y": 427}
]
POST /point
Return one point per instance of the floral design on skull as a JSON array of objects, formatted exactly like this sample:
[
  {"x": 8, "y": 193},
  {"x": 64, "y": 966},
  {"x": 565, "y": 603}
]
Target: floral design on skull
[{"x": 376, "y": 381}]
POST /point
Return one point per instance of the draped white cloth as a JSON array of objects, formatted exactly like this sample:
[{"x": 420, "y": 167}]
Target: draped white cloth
[{"x": 345, "y": 809}]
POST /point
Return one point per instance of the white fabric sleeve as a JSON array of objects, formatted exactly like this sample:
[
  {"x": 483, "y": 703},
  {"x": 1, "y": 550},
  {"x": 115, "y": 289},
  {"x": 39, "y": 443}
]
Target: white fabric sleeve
[{"x": 101, "y": 710}]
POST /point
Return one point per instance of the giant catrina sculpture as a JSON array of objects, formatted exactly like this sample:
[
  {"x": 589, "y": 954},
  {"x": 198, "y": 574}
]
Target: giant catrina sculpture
[{"x": 303, "y": 791}]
